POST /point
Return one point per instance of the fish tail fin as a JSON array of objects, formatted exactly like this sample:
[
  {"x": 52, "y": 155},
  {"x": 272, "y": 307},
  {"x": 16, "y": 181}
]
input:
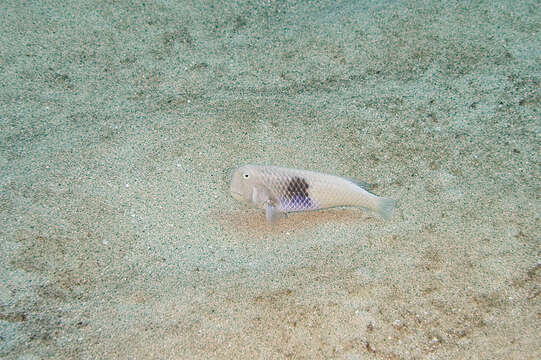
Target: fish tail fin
[{"x": 386, "y": 207}]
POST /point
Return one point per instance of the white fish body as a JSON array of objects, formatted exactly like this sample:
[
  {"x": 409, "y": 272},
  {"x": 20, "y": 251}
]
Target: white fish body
[{"x": 280, "y": 190}]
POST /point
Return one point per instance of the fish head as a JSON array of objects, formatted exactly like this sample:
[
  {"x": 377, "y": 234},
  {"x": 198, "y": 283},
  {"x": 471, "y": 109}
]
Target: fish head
[{"x": 243, "y": 183}]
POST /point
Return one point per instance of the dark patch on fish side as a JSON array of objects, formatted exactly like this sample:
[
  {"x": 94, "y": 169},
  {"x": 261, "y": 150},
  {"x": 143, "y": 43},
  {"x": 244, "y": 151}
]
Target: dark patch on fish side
[
  {"x": 297, "y": 187},
  {"x": 296, "y": 196}
]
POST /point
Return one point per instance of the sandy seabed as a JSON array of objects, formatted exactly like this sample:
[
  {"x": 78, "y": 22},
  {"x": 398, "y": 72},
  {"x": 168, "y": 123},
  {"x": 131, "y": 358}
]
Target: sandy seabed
[{"x": 120, "y": 124}]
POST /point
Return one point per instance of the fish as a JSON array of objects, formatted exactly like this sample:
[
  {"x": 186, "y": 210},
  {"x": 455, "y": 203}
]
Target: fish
[{"x": 279, "y": 190}]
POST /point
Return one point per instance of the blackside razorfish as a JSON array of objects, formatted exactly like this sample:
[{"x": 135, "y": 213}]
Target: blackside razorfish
[{"x": 280, "y": 190}]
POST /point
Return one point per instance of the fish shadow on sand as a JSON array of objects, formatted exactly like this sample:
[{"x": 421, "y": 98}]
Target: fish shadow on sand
[{"x": 252, "y": 223}]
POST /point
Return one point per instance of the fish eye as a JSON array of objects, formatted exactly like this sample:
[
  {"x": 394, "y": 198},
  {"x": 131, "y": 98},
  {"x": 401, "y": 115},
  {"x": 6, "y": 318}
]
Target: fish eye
[{"x": 246, "y": 176}]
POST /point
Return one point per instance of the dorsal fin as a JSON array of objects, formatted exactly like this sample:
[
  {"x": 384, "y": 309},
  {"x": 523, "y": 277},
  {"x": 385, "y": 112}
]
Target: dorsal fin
[{"x": 359, "y": 183}]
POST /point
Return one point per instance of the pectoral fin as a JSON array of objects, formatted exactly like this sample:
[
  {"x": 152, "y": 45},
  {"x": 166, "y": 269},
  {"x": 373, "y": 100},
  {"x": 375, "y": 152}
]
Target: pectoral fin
[{"x": 261, "y": 197}]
